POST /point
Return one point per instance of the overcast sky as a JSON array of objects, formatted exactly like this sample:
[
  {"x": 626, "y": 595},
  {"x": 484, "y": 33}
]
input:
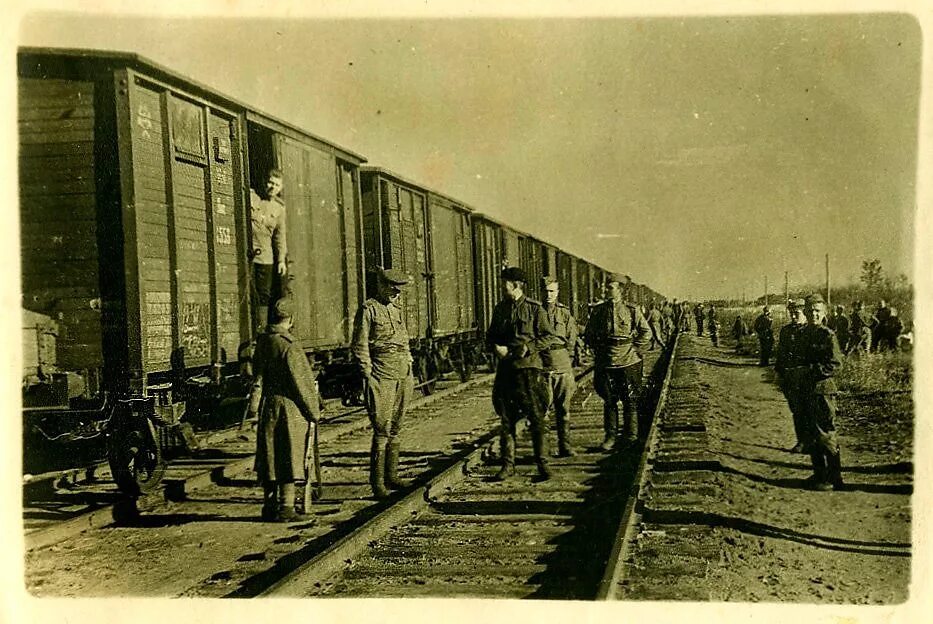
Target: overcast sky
[{"x": 697, "y": 155}]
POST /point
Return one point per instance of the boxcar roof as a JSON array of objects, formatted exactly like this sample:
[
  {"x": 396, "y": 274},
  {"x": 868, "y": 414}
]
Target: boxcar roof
[
  {"x": 141, "y": 63},
  {"x": 399, "y": 178}
]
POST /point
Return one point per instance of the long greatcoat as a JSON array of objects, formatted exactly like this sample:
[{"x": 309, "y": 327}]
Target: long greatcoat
[{"x": 284, "y": 394}]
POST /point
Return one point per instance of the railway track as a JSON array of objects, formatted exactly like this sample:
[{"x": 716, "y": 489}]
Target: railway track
[
  {"x": 60, "y": 504},
  {"x": 461, "y": 534}
]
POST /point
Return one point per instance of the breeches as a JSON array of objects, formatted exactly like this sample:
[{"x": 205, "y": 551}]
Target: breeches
[
  {"x": 386, "y": 402},
  {"x": 819, "y": 422}
]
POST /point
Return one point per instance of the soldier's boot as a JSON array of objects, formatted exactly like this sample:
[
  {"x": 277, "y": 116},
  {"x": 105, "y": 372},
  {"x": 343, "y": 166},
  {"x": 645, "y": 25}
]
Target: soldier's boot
[
  {"x": 392, "y": 479},
  {"x": 508, "y": 459},
  {"x": 377, "y": 468},
  {"x": 818, "y": 481},
  {"x": 564, "y": 447},
  {"x": 286, "y": 508},
  {"x": 629, "y": 424},
  {"x": 540, "y": 444},
  {"x": 610, "y": 426},
  {"x": 262, "y": 318},
  {"x": 269, "y": 501},
  {"x": 834, "y": 470}
]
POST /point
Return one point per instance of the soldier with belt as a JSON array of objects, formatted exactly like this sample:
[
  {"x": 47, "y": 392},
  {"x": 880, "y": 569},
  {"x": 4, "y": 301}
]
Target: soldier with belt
[
  {"x": 820, "y": 357},
  {"x": 284, "y": 400},
  {"x": 765, "y": 336},
  {"x": 558, "y": 363},
  {"x": 380, "y": 348},
  {"x": 519, "y": 332},
  {"x": 862, "y": 327},
  {"x": 654, "y": 322},
  {"x": 617, "y": 332},
  {"x": 790, "y": 370}
]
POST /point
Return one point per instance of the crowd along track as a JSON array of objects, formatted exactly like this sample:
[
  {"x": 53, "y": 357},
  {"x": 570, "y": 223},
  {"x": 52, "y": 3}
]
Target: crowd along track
[{"x": 462, "y": 534}]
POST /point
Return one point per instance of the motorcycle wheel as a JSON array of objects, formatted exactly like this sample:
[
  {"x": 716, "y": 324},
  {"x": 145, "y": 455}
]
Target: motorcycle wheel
[{"x": 136, "y": 461}]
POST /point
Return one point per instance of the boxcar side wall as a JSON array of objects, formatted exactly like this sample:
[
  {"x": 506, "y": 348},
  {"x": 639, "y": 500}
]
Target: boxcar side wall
[
  {"x": 452, "y": 262},
  {"x": 59, "y": 212},
  {"x": 488, "y": 258},
  {"x": 184, "y": 189}
]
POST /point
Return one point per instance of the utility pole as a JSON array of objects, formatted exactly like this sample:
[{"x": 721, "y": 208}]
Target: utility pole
[
  {"x": 766, "y": 290},
  {"x": 828, "y": 299},
  {"x": 786, "y": 291}
]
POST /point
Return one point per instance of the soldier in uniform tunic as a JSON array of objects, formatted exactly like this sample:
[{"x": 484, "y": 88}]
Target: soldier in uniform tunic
[
  {"x": 712, "y": 323},
  {"x": 558, "y": 363},
  {"x": 268, "y": 251},
  {"x": 788, "y": 366},
  {"x": 284, "y": 400},
  {"x": 380, "y": 348},
  {"x": 765, "y": 336},
  {"x": 655, "y": 322},
  {"x": 821, "y": 358},
  {"x": 519, "y": 331},
  {"x": 617, "y": 332},
  {"x": 862, "y": 327}
]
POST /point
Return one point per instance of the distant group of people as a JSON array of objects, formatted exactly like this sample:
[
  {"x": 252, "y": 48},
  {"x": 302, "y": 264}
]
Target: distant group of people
[{"x": 864, "y": 332}]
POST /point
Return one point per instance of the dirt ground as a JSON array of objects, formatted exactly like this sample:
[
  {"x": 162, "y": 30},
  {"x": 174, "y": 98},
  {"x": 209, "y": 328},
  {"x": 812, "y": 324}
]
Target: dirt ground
[{"x": 779, "y": 541}]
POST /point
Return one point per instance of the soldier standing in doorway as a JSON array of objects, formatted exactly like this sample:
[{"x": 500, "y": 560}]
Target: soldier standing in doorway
[
  {"x": 558, "y": 363},
  {"x": 284, "y": 399},
  {"x": 519, "y": 332},
  {"x": 765, "y": 336},
  {"x": 380, "y": 348},
  {"x": 269, "y": 249},
  {"x": 788, "y": 364},
  {"x": 617, "y": 332}
]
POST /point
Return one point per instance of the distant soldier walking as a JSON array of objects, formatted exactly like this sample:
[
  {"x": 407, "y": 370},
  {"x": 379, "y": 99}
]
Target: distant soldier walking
[
  {"x": 518, "y": 333},
  {"x": 839, "y": 323},
  {"x": 712, "y": 323},
  {"x": 862, "y": 326},
  {"x": 882, "y": 314},
  {"x": 739, "y": 331},
  {"x": 698, "y": 318},
  {"x": 617, "y": 332},
  {"x": 821, "y": 358},
  {"x": 667, "y": 316},
  {"x": 655, "y": 322},
  {"x": 284, "y": 399},
  {"x": 558, "y": 363},
  {"x": 765, "y": 336},
  {"x": 380, "y": 348},
  {"x": 791, "y": 371}
]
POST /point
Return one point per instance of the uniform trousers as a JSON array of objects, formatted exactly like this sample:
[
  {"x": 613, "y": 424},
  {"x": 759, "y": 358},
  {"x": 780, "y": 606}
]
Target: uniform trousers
[
  {"x": 614, "y": 384},
  {"x": 386, "y": 402},
  {"x": 791, "y": 380},
  {"x": 563, "y": 386},
  {"x": 521, "y": 393}
]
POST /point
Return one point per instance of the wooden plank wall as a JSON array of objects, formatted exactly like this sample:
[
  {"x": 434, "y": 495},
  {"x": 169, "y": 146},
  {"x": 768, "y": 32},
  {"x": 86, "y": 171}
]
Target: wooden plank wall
[
  {"x": 58, "y": 214},
  {"x": 226, "y": 259}
]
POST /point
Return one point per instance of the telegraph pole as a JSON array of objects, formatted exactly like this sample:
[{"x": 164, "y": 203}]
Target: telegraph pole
[
  {"x": 786, "y": 291},
  {"x": 766, "y": 290},
  {"x": 828, "y": 300}
]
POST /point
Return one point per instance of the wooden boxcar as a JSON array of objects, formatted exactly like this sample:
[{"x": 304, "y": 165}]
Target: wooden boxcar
[
  {"x": 324, "y": 238},
  {"x": 134, "y": 188},
  {"x": 428, "y": 235},
  {"x": 489, "y": 258}
]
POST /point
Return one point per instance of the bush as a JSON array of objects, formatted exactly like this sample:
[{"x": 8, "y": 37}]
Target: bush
[{"x": 876, "y": 372}]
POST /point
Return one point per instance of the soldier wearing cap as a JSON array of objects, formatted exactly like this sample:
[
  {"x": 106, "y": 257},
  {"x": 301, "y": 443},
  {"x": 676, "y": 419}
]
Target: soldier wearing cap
[
  {"x": 862, "y": 326},
  {"x": 519, "y": 332},
  {"x": 617, "y": 332},
  {"x": 284, "y": 399},
  {"x": 558, "y": 362},
  {"x": 656, "y": 322},
  {"x": 839, "y": 323},
  {"x": 819, "y": 353},
  {"x": 712, "y": 323},
  {"x": 791, "y": 370},
  {"x": 380, "y": 348},
  {"x": 765, "y": 333}
]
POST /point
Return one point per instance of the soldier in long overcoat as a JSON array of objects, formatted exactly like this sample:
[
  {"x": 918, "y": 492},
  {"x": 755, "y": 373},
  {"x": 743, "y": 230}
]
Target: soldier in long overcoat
[
  {"x": 765, "y": 336},
  {"x": 284, "y": 399},
  {"x": 788, "y": 365}
]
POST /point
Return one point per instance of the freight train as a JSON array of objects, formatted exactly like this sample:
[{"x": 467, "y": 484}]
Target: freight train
[{"x": 134, "y": 185}]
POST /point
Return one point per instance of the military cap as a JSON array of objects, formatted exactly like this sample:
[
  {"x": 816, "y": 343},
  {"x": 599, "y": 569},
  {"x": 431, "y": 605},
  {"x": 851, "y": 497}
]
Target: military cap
[
  {"x": 814, "y": 299},
  {"x": 284, "y": 308},
  {"x": 621, "y": 278},
  {"x": 513, "y": 274},
  {"x": 549, "y": 279},
  {"x": 394, "y": 276}
]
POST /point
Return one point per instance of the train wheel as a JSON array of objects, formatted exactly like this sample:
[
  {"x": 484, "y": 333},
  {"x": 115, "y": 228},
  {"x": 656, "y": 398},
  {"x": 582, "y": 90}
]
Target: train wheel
[{"x": 136, "y": 461}]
